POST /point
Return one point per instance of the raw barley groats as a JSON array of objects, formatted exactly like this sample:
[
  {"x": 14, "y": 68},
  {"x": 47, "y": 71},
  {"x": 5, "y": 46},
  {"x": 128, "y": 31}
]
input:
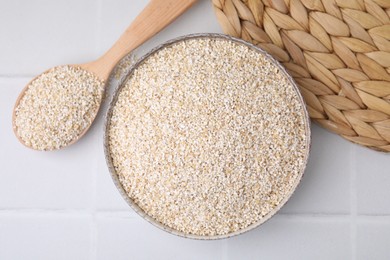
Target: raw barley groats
[
  {"x": 208, "y": 136},
  {"x": 57, "y": 107}
]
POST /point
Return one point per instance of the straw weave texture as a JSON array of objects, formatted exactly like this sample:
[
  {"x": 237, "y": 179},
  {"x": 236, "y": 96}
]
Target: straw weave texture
[{"x": 338, "y": 52}]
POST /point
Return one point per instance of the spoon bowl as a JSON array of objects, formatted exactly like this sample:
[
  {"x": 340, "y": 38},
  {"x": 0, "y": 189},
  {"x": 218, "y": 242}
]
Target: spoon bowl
[{"x": 57, "y": 107}]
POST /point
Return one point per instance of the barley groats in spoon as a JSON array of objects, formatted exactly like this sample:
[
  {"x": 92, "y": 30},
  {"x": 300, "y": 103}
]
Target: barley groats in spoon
[
  {"x": 57, "y": 108},
  {"x": 208, "y": 137}
]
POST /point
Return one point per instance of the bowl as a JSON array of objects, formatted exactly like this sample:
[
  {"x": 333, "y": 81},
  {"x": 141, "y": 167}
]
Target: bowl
[{"x": 114, "y": 174}]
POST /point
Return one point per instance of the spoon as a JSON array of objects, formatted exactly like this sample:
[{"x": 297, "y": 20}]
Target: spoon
[{"x": 155, "y": 16}]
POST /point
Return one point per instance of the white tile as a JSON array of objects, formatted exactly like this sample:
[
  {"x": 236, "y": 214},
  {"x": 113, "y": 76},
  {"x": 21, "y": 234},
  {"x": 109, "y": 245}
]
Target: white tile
[
  {"x": 134, "y": 238},
  {"x": 39, "y": 34},
  {"x": 325, "y": 186},
  {"x": 30, "y": 237},
  {"x": 32, "y": 179},
  {"x": 283, "y": 238},
  {"x": 373, "y": 240},
  {"x": 373, "y": 181}
]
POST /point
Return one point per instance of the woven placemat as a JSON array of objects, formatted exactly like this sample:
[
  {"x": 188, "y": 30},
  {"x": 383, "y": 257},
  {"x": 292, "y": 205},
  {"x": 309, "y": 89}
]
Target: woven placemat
[{"x": 338, "y": 52}]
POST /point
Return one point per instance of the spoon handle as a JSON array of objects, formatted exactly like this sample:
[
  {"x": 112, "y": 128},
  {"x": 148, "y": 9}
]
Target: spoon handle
[{"x": 153, "y": 18}]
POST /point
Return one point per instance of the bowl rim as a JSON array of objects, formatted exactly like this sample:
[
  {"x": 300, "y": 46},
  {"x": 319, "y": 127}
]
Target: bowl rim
[{"x": 112, "y": 103}]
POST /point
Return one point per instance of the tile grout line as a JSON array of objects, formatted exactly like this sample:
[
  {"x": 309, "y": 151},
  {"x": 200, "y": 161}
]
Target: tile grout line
[
  {"x": 16, "y": 76},
  {"x": 353, "y": 201},
  {"x": 94, "y": 211}
]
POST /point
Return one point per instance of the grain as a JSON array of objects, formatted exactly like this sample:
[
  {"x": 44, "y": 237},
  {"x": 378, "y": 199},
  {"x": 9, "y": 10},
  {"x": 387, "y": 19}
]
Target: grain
[
  {"x": 208, "y": 136},
  {"x": 57, "y": 107}
]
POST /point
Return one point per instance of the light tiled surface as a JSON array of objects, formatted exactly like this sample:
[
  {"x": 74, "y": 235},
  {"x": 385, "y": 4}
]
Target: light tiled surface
[
  {"x": 145, "y": 241},
  {"x": 294, "y": 237},
  {"x": 373, "y": 239},
  {"x": 373, "y": 183},
  {"x": 44, "y": 236},
  {"x": 63, "y": 205}
]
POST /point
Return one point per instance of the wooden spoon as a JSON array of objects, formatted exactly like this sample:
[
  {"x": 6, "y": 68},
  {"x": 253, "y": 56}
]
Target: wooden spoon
[{"x": 156, "y": 15}]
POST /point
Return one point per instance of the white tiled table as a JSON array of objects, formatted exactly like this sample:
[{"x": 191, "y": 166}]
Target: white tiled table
[{"x": 63, "y": 205}]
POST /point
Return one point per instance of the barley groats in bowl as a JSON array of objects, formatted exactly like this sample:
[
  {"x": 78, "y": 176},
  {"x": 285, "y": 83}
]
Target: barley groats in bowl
[{"x": 207, "y": 137}]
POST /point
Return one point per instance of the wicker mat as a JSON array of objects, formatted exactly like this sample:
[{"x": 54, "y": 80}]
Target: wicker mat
[{"x": 338, "y": 51}]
